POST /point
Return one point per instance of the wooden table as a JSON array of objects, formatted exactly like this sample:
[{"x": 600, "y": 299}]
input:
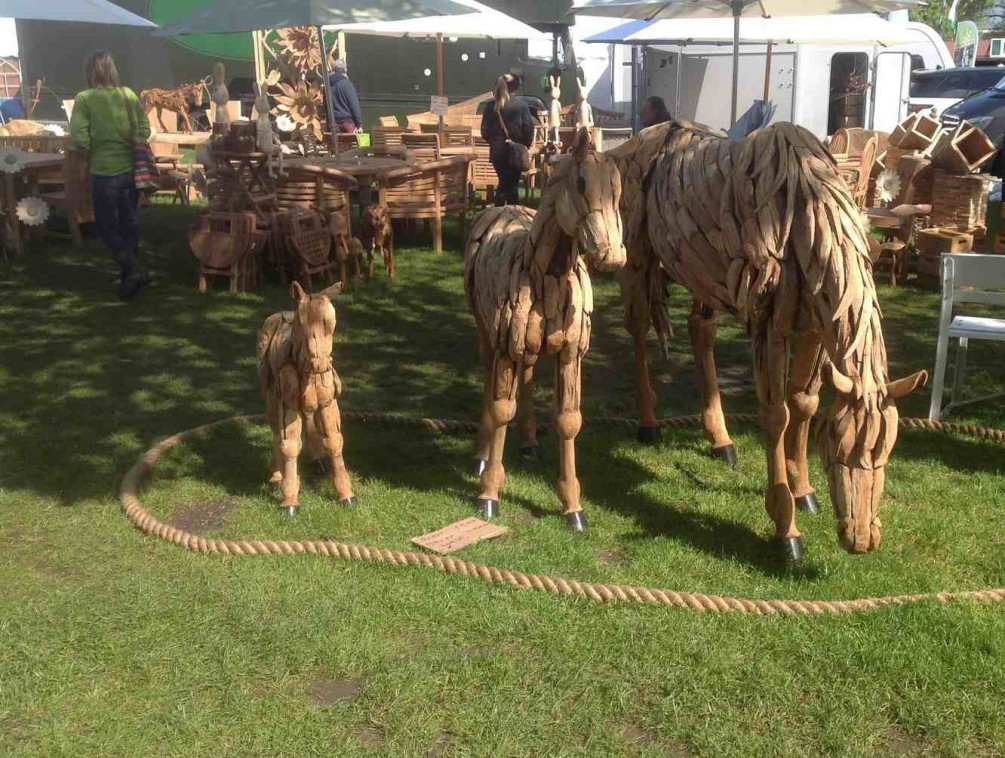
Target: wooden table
[
  {"x": 367, "y": 170},
  {"x": 247, "y": 175},
  {"x": 182, "y": 139},
  {"x": 35, "y": 163}
]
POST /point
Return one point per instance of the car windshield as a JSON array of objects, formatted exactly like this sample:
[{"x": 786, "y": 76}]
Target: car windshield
[{"x": 956, "y": 83}]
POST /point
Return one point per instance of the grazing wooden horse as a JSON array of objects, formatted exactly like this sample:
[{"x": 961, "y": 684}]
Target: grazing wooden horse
[
  {"x": 766, "y": 229},
  {"x": 528, "y": 287},
  {"x": 175, "y": 100},
  {"x": 301, "y": 389}
]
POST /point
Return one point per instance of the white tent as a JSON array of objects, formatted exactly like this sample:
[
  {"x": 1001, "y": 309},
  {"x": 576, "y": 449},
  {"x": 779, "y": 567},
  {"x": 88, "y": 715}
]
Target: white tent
[
  {"x": 820, "y": 30},
  {"x": 482, "y": 22}
]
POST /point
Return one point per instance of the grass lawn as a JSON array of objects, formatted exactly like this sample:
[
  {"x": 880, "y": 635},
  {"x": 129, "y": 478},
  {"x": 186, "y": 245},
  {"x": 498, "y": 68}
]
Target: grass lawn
[{"x": 114, "y": 643}]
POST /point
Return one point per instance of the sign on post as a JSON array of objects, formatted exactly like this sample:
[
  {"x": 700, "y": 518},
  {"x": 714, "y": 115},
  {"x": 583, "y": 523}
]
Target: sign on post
[{"x": 438, "y": 105}]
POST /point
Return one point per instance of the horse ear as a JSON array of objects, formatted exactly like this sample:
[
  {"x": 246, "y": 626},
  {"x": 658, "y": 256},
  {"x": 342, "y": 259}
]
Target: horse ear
[
  {"x": 582, "y": 144},
  {"x": 297, "y": 292},
  {"x": 332, "y": 292}
]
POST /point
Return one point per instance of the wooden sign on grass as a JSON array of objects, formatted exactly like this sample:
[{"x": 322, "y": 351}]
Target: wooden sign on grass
[{"x": 459, "y": 534}]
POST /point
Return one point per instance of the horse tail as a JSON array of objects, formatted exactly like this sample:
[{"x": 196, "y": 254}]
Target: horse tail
[{"x": 800, "y": 208}]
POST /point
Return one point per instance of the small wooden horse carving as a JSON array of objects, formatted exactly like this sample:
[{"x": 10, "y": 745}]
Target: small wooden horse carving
[
  {"x": 376, "y": 234},
  {"x": 526, "y": 282},
  {"x": 301, "y": 388},
  {"x": 175, "y": 100}
]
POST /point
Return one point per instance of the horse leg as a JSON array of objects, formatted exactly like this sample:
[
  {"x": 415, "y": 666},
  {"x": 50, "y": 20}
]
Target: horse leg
[
  {"x": 771, "y": 358},
  {"x": 804, "y": 399},
  {"x": 481, "y": 460},
  {"x": 702, "y": 328},
  {"x": 290, "y": 437},
  {"x": 329, "y": 421},
  {"x": 526, "y": 418},
  {"x": 568, "y": 422},
  {"x": 633, "y": 295},
  {"x": 273, "y": 416},
  {"x": 186, "y": 119},
  {"x": 501, "y": 399},
  {"x": 389, "y": 255}
]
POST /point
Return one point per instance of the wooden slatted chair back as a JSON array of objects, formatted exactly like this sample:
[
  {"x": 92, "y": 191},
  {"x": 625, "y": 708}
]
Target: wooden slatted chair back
[
  {"x": 386, "y": 135},
  {"x": 424, "y": 147},
  {"x": 389, "y": 121}
]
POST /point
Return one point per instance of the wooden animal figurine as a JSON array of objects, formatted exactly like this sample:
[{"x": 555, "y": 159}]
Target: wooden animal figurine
[
  {"x": 301, "y": 389},
  {"x": 377, "y": 234},
  {"x": 526, "y": 281},
  {"x": 221, "y": 95},
  {"x": 584, "y": 113},
  {"x": 555, "y": 104},
  {"x": 266, "y": 139},
  {"x": 766, "y": 229},
  {"x": 175, "y": 100}
]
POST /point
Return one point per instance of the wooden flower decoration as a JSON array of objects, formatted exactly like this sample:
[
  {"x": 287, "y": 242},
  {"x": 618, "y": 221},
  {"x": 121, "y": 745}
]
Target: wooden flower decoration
[
  {"x": 12, "y": 161},
  {"x": 887, "y": 185},
  {"x": 32, "y": 211},
  {"x": 285, "y": 124},
  {"x": 300, "y": 46},
  {"x": 302, "y": 104}
]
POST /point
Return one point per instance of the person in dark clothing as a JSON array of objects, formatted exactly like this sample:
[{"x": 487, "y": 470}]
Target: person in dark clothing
[
  {"x": 345, "y": 102},
  {"x": 520, "y": 127},
  {"x": 654, "y": 111}
]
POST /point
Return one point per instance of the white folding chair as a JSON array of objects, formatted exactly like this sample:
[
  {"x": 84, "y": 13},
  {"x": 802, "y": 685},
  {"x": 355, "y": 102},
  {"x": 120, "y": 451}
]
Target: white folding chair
[{"x": 966, "y": 278}]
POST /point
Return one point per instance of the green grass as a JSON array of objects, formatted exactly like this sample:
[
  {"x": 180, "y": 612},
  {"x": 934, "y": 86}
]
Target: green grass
[{"x": 114, "y": 643}]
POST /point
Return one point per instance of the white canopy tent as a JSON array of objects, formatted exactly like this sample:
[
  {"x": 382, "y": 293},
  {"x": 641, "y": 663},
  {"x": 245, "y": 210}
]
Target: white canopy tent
[
  {"x": 482, "y": 22},
  {"x": 84, "y": 11},
  {"x": 651, "y": 10}
]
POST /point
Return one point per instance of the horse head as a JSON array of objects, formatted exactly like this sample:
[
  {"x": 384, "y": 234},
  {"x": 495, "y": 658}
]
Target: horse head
[{"x": 314, "y": 329}]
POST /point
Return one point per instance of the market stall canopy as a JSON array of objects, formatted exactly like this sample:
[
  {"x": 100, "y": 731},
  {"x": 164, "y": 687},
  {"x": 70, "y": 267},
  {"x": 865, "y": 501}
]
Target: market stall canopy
[
  {"x": 477, "y": 22},
  {"x": 252, "y": 15},
  {"x": 85, "y": 11},
  {"x": 659, "y": 9},
  {"x": 821, "y": 30}
]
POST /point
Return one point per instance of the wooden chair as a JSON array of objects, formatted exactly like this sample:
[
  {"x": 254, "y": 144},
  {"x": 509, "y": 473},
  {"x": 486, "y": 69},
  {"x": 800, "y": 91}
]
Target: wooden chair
[
  {"x": 385, "y": 135},
  {"x": 423, "y": 147},
  {"x": 474, "y": 122},
  {"x": 856, "y": 171},
  {"x": 309, "y": 241},
  {"x": 390, "y": 121},
  {"x": 457, "y": 136},
  {"x": 227, "y": 244},
  {"x": 173, "y": 175},
  {"x": 899, "y": 221},
  {"x": 345, "y": 142},
  {"x": 74, "y": 197},
  {"x": 433, "y": 128},
  {"x": 483, "y": 174},
  {"x": 429, "y": 190}
]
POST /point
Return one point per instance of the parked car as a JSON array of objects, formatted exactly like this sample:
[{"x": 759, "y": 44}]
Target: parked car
[
  {"x": 943, "y": 88},
  {"x": 985, "y": 110}
]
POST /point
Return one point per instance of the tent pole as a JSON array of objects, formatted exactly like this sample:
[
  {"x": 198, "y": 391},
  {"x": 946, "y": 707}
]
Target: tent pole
[
  {"x": 737, "y": 9},
  {"x": 439, "y": 70},
  {"x": 326, "y": 91},
  {"x": 767, "y": 71}
]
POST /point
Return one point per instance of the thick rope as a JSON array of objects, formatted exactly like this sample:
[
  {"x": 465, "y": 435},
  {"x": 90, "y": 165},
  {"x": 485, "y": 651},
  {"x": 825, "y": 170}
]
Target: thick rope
[{"x": 605, "y": 593}]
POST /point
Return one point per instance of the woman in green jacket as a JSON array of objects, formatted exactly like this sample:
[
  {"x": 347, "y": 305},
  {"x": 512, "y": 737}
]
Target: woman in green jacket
[{"x": 106, "y": 119}]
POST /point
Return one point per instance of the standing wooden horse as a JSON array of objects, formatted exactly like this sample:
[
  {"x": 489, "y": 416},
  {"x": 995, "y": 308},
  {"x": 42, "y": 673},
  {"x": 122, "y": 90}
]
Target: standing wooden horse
[
  {"x": 528, "y": 287},
  {"x": 766, "y": 229},
  {"x": 301, "y": 389},
  {"x": 376, "y": 233},
  {"x": 175, "y": 100}
]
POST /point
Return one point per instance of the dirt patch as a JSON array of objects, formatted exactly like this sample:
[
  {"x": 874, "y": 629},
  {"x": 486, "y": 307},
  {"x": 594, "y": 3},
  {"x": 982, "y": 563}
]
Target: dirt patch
[
  {"x": 636, "y": 735},
  {"x": 47, "y": 566},
  {"x": 613, "y": 557},
  {"x": 474, "y": 651},
  {"x": 14, "y": 730},
  {"x": 202, "y": 516},
  {"x": 899, "y": 741},
  {"x": 328, "y": 692},
  {"x": 441, "y": 744},
  {"x": 371, "y": 736}
]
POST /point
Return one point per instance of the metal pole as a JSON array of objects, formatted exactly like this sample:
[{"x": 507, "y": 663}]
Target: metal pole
[
  {"x": 737, "y": 9},
  {"x": 326, "y": 91},
  {"x": 676, "y": 97},
  {"x": 635, "y": 89},
  {"x": 439, "y": 73},
  {"x": 767, "y": 71}
]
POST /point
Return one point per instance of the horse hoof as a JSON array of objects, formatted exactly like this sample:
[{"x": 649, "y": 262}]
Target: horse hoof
[
  {"x": 479, "y": 465},
  {"x": 290, "y": 510},
  {"x": 726, "y": 454},
  {"x": 790, "y": 548},
  {"x": 576, "y": 521},
  {"x": 349, "y": 501},
  {"x": 530, "y": 453},
  {"x": 808, "y": 504},
  {"x": 649, "y": 435},
  {"x": 488, "y": 508}
]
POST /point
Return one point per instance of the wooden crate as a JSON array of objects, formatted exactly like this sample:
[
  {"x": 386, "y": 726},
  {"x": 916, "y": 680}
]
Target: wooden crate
[
  {"x": 936, "y": 241},
  {"x": 959, "y": 202}
]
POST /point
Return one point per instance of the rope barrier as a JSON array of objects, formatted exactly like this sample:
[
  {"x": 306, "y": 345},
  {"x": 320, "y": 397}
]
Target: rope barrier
[{"x": 602, "y": 593}]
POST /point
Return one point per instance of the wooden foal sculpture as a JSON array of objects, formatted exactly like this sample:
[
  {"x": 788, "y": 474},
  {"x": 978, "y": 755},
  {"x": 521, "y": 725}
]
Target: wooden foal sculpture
[
  {"x": 175, "y": 100},
  {"x": 766, "y": 229},
  {"x": 526, "y": 282},
  {"x": 301, "y": 389},
  {"x": 376, "y": 233}
]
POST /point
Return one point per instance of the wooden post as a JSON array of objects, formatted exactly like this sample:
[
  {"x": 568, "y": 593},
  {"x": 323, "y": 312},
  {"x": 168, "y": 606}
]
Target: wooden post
[
  {"x": 439, "y": 71},
  {"x": 258, "y": 40},
  {"x": 326, "y": 92},
  {"x": 767, "y": 71}
]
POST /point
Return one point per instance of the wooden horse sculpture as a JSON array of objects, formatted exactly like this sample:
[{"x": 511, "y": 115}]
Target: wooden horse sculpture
[
  {"x": 376, "y": 233},
  {"x": 175, "y": 100},
  {"x": 301, "y": 389},
  {"x": 766, "y": 229},
  {"x": 528, "y": 287}
]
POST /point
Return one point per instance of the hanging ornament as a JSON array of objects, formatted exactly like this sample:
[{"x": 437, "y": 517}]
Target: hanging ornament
[{"x": 32, "y": 211}]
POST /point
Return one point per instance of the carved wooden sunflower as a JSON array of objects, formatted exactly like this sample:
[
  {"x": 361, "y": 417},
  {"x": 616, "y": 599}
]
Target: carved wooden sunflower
[
  {"x": 300, "y": 46},
  {"x": 302, "y": 104},
  {"x": 887, "y": 185}
]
